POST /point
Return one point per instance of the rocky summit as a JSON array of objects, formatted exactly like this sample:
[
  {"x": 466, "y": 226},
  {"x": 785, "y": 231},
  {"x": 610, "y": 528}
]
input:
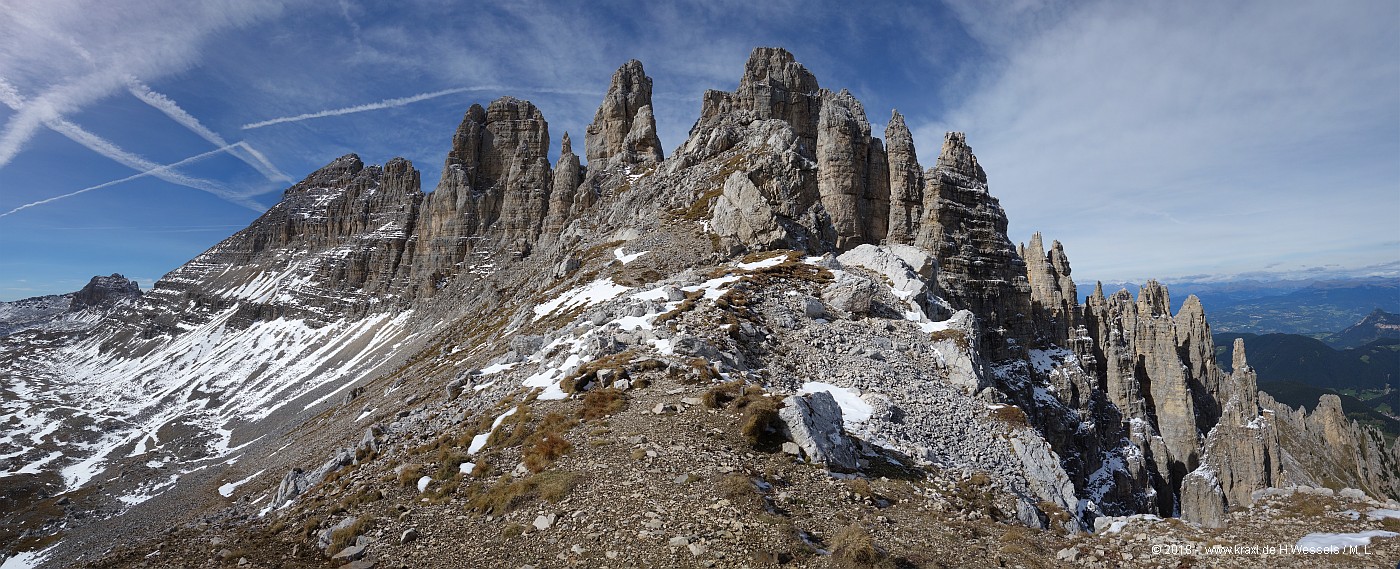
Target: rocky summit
[{"x": 785, "y": 344}]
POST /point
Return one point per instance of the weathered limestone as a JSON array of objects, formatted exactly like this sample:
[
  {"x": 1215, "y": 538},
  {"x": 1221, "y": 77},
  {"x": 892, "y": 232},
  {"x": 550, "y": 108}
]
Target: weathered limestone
[
  {"x": 774, "y": 86},
  {"x": 1241, "y": 454},
  {"x": 742, "y": 212},
  {"x": 568, "y": 174},
  {"x": 906, "y": 182},
  {"x": 623, "y": 130},
  {"x": 965, "y": 229},
  {"x": 1053, "y": 295},
  {"x": 813, "y": 421},
  {"x": 853, "y": 191},
  {"x": 494, "y": 190}
]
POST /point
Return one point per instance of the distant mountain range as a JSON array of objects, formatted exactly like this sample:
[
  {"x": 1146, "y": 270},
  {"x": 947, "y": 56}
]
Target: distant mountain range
[{"x": 1315, "y": 308}]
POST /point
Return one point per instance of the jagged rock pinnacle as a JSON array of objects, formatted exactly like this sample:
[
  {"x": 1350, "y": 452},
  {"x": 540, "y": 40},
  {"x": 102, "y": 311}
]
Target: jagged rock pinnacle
[{"x": 624, "y": 126}]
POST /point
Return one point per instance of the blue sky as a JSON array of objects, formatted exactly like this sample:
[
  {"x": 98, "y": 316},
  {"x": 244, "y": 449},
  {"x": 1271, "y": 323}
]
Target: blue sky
[{"x": 1169, "y": 140}]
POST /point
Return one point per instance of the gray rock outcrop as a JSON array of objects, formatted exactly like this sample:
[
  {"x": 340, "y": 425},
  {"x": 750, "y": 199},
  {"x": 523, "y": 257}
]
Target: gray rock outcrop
[
  {"x": 1241, "y": 454},
  {"x": 104, "y": 292},
  {"x": 813, "y": 421},
  {"x": 978, "y": 268}
]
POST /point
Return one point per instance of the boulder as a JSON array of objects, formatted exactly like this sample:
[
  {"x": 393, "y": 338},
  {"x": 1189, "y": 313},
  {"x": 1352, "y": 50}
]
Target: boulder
[{"x": 813, "y": 421}]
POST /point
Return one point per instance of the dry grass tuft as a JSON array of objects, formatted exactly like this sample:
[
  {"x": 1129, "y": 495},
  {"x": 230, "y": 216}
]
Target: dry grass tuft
[
  {"x": 854, "y": 548},
  {"x": 547, "y": 443},
  {"x": 601, "y": 403},
  {"x": 509, "y": 494},
  {"x": 760, "y": 424},
  {"x": 1011, "y": 415},
  {"x": 345, "y": 537}
]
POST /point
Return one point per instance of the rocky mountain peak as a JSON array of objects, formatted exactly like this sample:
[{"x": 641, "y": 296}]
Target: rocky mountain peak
[
  {"x": 624, "y": 127},
  {"x": 956, "y": 159},
  {"x": 105, "y": 291},
  {"x": 774, "y": 86}
]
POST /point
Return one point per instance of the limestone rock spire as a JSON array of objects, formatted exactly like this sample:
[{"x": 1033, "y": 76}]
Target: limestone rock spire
[
  {"x": 568, "y": 174},
  {"x": 906, "y": 182},
  {"x": 624, "y": 128}
]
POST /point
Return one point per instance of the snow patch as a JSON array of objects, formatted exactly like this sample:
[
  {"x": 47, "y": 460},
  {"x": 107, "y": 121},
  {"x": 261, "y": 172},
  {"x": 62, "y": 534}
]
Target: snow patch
[
  {"x": 590, "y": 294},
  {"x": 227, "y": 489},
  {"x": 627, "y": 258},
  {"x": 480, "y": 440},
  {"x": 853, "y": 408}
]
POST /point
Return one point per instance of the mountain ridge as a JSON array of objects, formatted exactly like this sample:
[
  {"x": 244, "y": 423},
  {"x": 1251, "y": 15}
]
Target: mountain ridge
[{"x": 778, "y": 244}]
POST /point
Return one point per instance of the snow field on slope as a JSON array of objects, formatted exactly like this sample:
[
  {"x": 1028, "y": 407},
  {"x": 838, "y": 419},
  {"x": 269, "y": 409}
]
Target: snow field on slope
[{"x": 250, "y": 374}]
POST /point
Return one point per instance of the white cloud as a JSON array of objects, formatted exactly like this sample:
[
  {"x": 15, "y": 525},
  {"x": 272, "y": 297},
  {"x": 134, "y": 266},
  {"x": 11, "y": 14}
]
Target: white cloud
[
  {"x": 401, "y": 101},
  {"x": 75, "y": 53},
  {"x": 1186, "y": 137}
]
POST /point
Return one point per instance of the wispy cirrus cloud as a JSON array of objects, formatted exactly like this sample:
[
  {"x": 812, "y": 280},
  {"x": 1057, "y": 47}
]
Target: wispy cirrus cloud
[
  {"x": 72, "y": 54},
  {"x": 1189, "y": 136}
]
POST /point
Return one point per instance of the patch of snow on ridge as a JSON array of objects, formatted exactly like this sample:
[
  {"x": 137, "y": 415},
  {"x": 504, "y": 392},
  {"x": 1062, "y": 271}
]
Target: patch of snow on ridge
[
  {"x": 480, "y": 440},
  {"x": 853, "y": 408},
  {"x": 206, "y": 377},
  {"x": 592, "y": 293},
  {"x": 227, "y": 489},
  {"x": 764, "y": 263},
  {"x": 627, "y": 258}
]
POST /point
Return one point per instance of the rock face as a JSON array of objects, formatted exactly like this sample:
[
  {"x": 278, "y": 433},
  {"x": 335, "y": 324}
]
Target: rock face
[
  {"x": 906, "y": 182},
  {"x": 854, "y": 192},
  {"x": 1241, "y": 453},
  {"x": 742, "y": 212},
  {"x": 104, "y": 292},
  {"x": 774, "y": 86},
  {"x": 346, "y": 228},
  {"x": 1323, "y": 447},
  {"x": 564, "y": 202},
  {"x": 979, "y": 269},
  {"x": 494, "y": 191},
  {"x": 1053, "y": 295},
  {"x": 623, "y": 131},
  {"x": 813, "y": 421}
]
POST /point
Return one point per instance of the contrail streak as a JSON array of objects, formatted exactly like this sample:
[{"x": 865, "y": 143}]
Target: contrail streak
[
  {"x": 401, "y": 101},
  {"x": 152, "y": 172},
  {"x": 15, "y": 133},
  {"x": 167, "y": 106}
]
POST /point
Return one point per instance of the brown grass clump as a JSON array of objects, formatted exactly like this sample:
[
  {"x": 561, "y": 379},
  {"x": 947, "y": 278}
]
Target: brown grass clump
[
  {"x": 601, "y": 403},
  {"x": 690, "y": 299},
  {"x": 1058, "y": 516},
  {"x": 1011, "y": 415},
  {"x": 760, "y": 424},
  {"x": 854, "y": 548},
  {"x": 958, "y": 338},
  {"x": 547, "y": 443},
  {"x": 410, "y": 474},
  {"x": 741, "y": 492},
  {"x": 976, "y": 494},
  {"x": 509, "y": 494},
  {"x": 720, "y": 395}
]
